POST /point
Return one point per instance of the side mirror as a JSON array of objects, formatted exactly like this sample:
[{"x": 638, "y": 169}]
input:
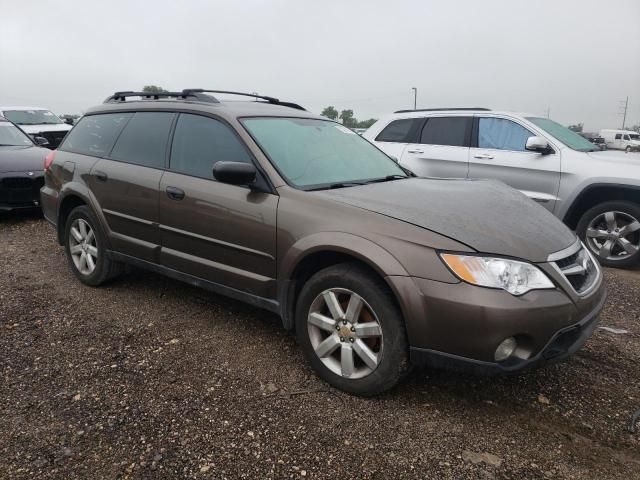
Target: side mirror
[
  {"x": 41, "y": 141},
  {"x": 234, "y": 173},
  {"x": 538, "y": 144}
]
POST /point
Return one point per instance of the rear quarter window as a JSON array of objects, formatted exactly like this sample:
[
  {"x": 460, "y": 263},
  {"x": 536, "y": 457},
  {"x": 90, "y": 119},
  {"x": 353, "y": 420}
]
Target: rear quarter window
[{"x": 95, "y": 134}]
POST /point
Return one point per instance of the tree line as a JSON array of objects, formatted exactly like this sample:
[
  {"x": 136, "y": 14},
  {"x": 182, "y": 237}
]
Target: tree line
[{"x": 348, "y": 120}]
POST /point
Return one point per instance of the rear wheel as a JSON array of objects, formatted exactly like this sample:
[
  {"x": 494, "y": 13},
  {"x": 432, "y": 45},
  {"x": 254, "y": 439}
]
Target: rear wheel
[
  {"x": 611, "y": 231},
  {"x": 351, "y": 330},
  {"x": 85, "y": 245}
]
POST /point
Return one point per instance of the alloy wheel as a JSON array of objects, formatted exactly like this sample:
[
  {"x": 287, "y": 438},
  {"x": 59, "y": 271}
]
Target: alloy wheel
[
  {"x": 345, "y": 333},
  {"x": 83, "y": 247},
  {"x": 614, "y": 235}
]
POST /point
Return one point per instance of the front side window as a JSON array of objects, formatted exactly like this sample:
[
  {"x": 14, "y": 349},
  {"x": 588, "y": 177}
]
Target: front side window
[
  {"x": 502, "y": 134},
  {"x": 313, "y": 153},
  {"x": 31, "y": 117},
  {"x": 451, "y": 131},
  {"x": 95, "y": 134},
  {"x": 570, "y": 138},
  {"x": 144, "y": 139},
  {"x": 399, "y": 131},
  {"x": 12, "y": 136},
  {"x": 626, "y": 137},
  {"x": 199, "y": 142}
]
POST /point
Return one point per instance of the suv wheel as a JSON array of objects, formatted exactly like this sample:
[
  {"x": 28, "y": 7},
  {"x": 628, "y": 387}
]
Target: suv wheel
[
  {"x": 351, "y": 330},
  {"x": 85, "y": 246},
  {"x": 628, "y": 149},
  {"x": 611, "y": 231}
]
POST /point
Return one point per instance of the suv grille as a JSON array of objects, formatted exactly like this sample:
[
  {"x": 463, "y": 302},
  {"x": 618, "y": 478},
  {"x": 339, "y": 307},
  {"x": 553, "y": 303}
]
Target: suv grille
[{"x": 579, "y": 269}]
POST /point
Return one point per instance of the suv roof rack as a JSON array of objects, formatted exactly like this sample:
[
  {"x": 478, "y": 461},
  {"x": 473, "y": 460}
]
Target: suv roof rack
[
  {"x": 443, "y": 109},
  {"x": 199, "y": 94}
]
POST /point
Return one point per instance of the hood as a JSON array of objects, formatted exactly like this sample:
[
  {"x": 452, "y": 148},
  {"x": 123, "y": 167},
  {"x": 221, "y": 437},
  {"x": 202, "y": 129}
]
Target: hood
[
  {"x": 486, "y": 215},
  {"x": 46, "y": 127},
  {"x": 22, "y": 159}
]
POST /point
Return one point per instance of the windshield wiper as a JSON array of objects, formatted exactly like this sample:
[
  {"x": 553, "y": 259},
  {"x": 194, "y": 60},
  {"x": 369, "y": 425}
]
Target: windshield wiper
[
  {"x": 388, "y": 178},
  {"x": 337, "y": 185}
]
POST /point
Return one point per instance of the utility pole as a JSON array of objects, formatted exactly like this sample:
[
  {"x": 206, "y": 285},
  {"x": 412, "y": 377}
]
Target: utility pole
[
  {"x": 624, "y": 114},
  {"x": 415, "y": 97}
]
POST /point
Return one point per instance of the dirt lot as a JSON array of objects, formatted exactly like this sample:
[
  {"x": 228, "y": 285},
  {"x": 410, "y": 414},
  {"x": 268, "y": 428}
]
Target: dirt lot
[{"x": 151, "y": 378}]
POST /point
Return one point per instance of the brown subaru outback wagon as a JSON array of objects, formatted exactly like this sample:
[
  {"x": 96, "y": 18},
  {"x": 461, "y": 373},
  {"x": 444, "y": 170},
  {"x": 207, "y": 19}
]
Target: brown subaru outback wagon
[{"x": 374, "y": 268}]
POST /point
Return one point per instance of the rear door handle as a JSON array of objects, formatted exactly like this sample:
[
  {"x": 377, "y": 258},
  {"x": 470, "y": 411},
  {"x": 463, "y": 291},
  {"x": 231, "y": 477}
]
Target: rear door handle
[
  {"x": 101, "y": 176},
  {"x": 484, "y": 156},
  {"x": 415, "y": 151},
  {"x": 175, "y": 193}
]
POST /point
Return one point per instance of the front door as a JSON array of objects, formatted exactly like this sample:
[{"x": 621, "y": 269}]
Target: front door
[
  {"x": 222, "y": 233},
  {"x": 499, "y": 153},
  {"x": 442, "y": 149}
]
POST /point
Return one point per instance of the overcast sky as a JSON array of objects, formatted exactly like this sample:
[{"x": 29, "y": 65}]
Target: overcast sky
[{"x": 579, "y": 58}]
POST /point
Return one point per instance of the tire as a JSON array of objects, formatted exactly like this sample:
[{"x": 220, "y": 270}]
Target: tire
[
  {"x": 596, "y": 231},
  {"x": 83, "y": 221},
  {"x": 627, "y": 150},
  {"x": 348, "y": 284}
]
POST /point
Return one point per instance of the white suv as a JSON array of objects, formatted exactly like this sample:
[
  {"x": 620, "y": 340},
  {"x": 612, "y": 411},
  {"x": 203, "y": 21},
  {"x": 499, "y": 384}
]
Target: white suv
[
  {"x": 595, "y": 192},
  {"x": 37, "y": 122}
]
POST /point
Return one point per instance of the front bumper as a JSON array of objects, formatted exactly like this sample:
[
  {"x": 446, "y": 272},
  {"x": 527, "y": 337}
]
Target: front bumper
[
  {"x": 20, "y": 190},
  {"x": 459, "y": 326}
]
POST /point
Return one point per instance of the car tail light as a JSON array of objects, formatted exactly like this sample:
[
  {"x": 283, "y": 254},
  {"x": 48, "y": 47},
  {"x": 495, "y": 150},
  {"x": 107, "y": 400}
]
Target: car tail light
[{"x": 48, "y": 160}]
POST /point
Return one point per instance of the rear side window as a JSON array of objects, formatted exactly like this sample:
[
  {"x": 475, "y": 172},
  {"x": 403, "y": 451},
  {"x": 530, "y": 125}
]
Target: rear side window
[
  {"x": 199, "y": 142},
  {"x": 502, "y": 134},
  {"x": 95, "y": 134},
  {"x": 400, "y": 131},
  {"x": 452, "y": 131},
  {"x": 144, "y": 139},
  {"x": 618, "y": 136}
]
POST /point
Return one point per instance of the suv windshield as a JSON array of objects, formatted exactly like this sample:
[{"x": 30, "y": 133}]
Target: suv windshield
[
  {"x": 10, "y": 135},
  {"x": 316, "y": 154},
  {"x": 570, "y": 138},
  {"x": 31, "y": 117}
]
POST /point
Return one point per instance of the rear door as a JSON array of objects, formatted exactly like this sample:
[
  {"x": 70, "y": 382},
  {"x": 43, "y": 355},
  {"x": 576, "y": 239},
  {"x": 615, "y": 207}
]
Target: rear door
[
  {"x": 222, "y": 233},
  {"x": 499, "y": 152},
  {"x": 126, "y": 183},
  {"x": 441, "y": 148},
  {"x": 393, "y": 138}
]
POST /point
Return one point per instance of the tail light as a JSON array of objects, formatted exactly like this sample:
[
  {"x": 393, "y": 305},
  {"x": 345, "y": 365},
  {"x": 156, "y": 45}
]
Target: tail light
[{"x": 48, "y": 160}]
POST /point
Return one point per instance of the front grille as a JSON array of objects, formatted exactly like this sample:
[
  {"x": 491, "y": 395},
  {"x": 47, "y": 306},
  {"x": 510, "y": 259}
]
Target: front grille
[
  {"x": 20, "y": 190},
  {"x": 579, "y": 269},
  {"x": 54, "y": 138}
]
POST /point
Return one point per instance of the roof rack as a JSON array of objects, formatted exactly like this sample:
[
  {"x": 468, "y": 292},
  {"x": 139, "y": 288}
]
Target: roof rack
[
  {"x": 122, "y": 96},
  {"x": 199, "y": 94},
  {"x": 271, "y": 100},
  {"x": 455, "y": 109}
]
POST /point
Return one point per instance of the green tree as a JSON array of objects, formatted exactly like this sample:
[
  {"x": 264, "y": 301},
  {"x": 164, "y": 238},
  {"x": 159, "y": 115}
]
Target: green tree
[
  {"x": 577, "y": 127},
  {"x": 153, "y": 89},
  {"x": 330, "y": 112},
  {"x": 366, "y": 123},
  {"x": 347, "y": 118}
]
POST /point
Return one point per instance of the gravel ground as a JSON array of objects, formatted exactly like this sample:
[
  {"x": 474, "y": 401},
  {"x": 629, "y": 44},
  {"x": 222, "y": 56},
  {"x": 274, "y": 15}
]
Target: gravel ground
[{"x": 151, "y": 378}]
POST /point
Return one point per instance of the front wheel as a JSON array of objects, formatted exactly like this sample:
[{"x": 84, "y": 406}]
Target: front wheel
[
  {"x": 611, "y": 230},
  {"x": 627, "y": 150},
  {"x": 351, "y": 330}
]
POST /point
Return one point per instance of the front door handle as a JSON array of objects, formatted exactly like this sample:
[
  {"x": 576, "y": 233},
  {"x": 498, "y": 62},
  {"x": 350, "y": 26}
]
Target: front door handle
[
  {"x": 175, "y": 193},
  {"x": 484, "y": 156},
  {"x": 415, "y": 151},
  {"x": 101, "y": 176}
]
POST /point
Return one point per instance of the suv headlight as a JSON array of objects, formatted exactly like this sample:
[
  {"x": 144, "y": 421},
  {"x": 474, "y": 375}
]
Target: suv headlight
[{"x": 515, "y": 277}]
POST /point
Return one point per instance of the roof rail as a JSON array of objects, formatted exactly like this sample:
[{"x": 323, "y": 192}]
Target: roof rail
[
  {"x": 122, "y": 96},
  {"x": 455, "y": 109},
  {"x": 271, "y": 100}
]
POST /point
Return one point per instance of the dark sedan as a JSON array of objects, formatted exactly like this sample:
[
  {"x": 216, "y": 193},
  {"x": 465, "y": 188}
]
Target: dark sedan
[{"x": 21, "y": 168}]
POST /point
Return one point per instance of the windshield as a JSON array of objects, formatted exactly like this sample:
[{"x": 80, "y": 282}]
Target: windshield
[
  {"x": 634, "y": 136},
  {"x": 31, "y": 117},
  {"x": 10, "y": 135},
  {"x": 312, "y": 153},
  {"x": 570, "y": 138}
]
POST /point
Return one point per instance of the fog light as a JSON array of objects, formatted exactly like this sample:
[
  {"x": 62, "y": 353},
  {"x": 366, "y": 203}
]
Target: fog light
[{"x": 505, "y": 349}]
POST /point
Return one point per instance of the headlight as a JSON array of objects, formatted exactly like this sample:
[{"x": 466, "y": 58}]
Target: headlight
[{"x": 515, "y": 277}]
